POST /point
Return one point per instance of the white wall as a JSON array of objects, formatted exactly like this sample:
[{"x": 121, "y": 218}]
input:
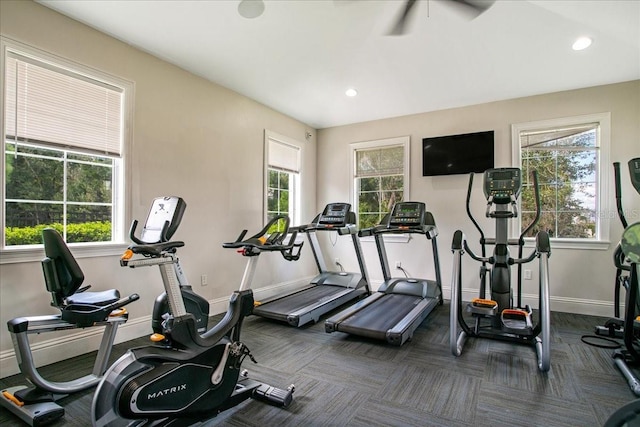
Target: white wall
[
  {"x": 581, "y": 279},
  {"x": 191, "y": 138}
]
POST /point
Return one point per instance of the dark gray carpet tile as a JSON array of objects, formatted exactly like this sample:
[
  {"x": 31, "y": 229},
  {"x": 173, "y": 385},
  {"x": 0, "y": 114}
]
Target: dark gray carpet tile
[
  {"x": 470, "y": 363},
  {"x": 383, "y": 413},
  {"x": 287, "y": 355},
  {"x": 434, "y": 391},
  {"x": 592, "y": 358},
  {"x": 602, "y": 387},
  {"x": 505, "y": 370},
  {"x": 344, "y": 345},
  {"x": 355, "y": 372},
  {"x": 506, "y": 406},
  {"x": 337, "y": 406}
]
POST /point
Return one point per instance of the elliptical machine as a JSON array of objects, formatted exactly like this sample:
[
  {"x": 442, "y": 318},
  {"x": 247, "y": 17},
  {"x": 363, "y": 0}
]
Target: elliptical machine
[
  {"x": 187, "y": 377},
  {"x": 162, "y": 222},
  {"x": 497, "y": 317},
  {"x": 629, "y": 262},
  {"x": 613, "y": 327},
  {"x": 36, "y": 405}
]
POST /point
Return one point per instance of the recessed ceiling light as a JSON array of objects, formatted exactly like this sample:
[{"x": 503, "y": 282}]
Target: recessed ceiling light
[
  {"x": 250, "y": 8},
  {"x": 582, "y": 43},
  {"x": 351, "y": 92}
]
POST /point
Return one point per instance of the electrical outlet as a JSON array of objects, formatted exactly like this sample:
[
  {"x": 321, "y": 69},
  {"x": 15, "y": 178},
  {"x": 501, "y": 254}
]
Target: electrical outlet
[
  {"x": 398, "y": 264},
  {"x": 527, "y": 275},
  {"x": 203, "y": 280}
]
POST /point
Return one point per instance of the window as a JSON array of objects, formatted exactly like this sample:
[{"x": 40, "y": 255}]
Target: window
[
  {"x": 380, "y": 174},
  {"x": 571, "y": 159},
  {"x": 282, "y": 177},
  {"x": 64, "y": 150}
]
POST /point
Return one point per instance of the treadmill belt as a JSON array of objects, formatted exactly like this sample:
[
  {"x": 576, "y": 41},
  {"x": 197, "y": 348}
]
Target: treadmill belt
[
  {"x": 377, "y": 318},
  {"x": 295, "y": 302}
]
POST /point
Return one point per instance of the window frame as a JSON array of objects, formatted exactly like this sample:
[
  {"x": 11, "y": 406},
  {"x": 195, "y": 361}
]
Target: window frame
[
  {"x": 603, "y": 173},
  {"x": 295, "y": 182},
  {"x": 405, "y": 142},
  {"x": 29, "y": 253}
]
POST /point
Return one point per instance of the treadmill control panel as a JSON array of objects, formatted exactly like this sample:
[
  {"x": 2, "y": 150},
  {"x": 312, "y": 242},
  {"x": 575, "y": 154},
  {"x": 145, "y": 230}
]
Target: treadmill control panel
[
  {"x": 407, "y": 214},
  {"x": 634, "y": 172},
  {"x": 335, "y": 215},
  {"x": 502, "y": 183}
]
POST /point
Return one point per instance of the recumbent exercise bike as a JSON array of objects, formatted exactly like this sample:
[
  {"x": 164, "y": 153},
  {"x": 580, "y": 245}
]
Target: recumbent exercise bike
[{"x": 36, "y": 405}]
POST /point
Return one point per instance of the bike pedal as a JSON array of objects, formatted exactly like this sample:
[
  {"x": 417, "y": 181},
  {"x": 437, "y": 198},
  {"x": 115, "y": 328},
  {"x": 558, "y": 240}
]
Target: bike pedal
[{"x": 275, "y": 396}]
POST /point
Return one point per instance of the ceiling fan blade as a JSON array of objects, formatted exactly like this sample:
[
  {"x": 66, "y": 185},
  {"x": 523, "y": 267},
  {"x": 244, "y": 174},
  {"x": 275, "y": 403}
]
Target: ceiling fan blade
[
  {"x": 473, "y": 7},
  {"x": 399, "y": 27}
]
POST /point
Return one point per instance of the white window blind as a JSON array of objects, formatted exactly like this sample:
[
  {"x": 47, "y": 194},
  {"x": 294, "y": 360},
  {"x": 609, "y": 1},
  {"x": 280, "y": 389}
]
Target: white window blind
[
  {"x": 540, "y": 139},
  {"x": 51, "y": 105},
  {"x": 379, "y": 161},
  {"x": 283, "y": 156}
]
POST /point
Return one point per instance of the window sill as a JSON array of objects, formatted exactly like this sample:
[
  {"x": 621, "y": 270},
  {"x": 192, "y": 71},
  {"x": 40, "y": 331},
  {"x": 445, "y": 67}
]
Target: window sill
[
  {"x": 598, "y": 245},
  {"x": 83, "y": 250}
]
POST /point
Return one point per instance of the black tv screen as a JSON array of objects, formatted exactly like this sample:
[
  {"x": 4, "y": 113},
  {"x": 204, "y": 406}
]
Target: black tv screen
[{"x": 456, "y": 154}]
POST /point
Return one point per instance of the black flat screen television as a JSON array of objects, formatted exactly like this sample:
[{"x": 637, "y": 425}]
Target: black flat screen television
[{"x": 457, "y": 154}]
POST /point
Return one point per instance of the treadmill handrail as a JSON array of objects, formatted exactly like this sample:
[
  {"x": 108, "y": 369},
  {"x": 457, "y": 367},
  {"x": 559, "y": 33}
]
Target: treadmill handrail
[
  {"x": 429, "y": 230},
  {"x": 341, "y": 229}
]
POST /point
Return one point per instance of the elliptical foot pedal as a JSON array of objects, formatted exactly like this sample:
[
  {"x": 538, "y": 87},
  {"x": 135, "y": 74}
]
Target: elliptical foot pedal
[
  {"x": 481, "y": 306},
  {"x": 274, "y": 396},
  {"x": 517, "y": 321}
]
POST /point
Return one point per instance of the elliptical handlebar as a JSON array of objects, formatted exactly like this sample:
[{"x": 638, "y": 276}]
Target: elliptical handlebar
[{"x": 618, "y": 185}]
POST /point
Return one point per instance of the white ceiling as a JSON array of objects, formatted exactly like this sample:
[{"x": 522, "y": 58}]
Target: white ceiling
[{"x": 299, "y": 57}]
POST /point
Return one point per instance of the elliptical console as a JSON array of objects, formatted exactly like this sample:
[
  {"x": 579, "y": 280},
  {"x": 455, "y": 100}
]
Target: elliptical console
[{"x": 502, "y": 185}]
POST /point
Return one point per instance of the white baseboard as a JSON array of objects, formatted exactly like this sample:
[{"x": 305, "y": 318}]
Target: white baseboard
[
  {"x": 85, "y": 340},
  {"x": 562, "y": 304}
]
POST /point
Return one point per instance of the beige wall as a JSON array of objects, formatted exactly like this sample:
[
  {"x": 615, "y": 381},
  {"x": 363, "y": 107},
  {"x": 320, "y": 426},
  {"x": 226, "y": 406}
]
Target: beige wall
[
  {"x": 581, "y": 279},
  {"x": 191, "y": 138},
  {"x": 205, "y": 143}
]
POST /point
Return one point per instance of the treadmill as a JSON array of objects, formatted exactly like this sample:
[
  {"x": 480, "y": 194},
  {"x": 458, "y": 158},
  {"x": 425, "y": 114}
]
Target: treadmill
[
  {"x": 400, "y": 305},
  {"x": 329, "y": 289}
]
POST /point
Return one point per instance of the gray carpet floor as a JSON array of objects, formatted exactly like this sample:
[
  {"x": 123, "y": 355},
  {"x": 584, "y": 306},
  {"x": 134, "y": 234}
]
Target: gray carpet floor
[{"x": 343, "y": 380}]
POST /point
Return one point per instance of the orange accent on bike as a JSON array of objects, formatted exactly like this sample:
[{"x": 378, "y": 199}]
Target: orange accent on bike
[
  {"x": 157, "y": 337},
  {"x": 128, "y": 254},
  {"x": 12, "y": 398}
]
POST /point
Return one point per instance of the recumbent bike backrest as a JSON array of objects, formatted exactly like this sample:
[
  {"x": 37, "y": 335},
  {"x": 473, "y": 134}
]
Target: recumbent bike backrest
[{"x": 62, "y": 274}]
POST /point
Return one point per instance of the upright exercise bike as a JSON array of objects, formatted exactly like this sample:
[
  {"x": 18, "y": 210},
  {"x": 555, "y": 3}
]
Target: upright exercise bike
[
  {"x": 498, "y": 317},
  {"x": 162, "y": 221},
  {"x": 187, "y": 377}
]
